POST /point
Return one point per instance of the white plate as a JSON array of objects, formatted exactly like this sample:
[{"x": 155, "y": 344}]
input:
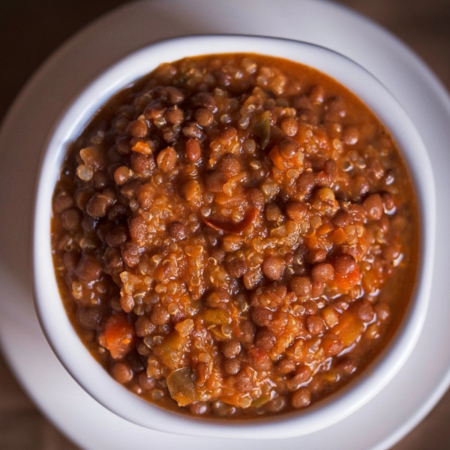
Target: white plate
[{"x": 424, "y": 378}]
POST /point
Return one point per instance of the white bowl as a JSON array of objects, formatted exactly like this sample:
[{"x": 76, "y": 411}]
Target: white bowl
[{"x": 54, "y": 320}]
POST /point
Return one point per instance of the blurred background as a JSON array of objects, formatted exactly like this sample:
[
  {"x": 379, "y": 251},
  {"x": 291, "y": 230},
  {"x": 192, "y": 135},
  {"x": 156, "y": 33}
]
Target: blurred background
[{"x": 30, "y": 30}]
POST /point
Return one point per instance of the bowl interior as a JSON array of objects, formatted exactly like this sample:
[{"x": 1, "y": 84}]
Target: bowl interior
[{"x": 57, "y": 327}]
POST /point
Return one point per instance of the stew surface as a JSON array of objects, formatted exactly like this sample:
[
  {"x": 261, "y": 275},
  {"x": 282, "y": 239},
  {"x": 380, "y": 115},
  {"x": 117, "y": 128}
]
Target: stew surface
[{"x": 235, "y": 236}]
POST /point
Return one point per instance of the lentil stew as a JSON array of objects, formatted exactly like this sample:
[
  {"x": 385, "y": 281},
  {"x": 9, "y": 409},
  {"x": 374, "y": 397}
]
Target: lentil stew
[{"x": 235, "y": 236}]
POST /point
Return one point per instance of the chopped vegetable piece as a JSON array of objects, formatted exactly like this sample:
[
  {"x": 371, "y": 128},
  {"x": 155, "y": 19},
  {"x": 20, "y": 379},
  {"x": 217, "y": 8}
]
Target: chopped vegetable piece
[
  {"x": 216, "y": 316},
  {"x": 182, "y": 387},
  {"x": 262, "y": 400},
  {"x": 171, "y": 350},
  {"x": 119, "y": 336},
  {"x": 345, "y": 282},
  {"x": 262, "y": 129},
  {"x": 348, "y": 329}
]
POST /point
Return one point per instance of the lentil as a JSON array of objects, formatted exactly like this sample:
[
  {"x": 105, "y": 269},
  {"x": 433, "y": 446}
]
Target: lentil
[
  {"x": 301, "y": 286},
  {"x": 301, "y": 398},
  {"x": 273, "y": 267}
]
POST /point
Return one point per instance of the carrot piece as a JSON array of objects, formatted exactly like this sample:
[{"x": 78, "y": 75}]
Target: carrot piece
[
  {"x": 142, "y": 147},
  {"x": 277, "y": 159},
  {"x": 239, "y": 400},
  {"x": 345, "y": 282},
  {"x": 348, "y": 329},
  {"x": 119, "y": 336},
  {"x": 338, "y": 236}
]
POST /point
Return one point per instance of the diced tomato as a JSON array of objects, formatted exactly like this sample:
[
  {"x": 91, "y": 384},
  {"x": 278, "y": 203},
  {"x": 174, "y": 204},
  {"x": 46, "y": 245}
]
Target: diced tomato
[{"x": 119, "y": 336}]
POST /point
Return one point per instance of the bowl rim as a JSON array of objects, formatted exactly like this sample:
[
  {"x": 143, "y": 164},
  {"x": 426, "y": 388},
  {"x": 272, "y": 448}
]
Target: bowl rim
[{"x": 97, "y": 382}]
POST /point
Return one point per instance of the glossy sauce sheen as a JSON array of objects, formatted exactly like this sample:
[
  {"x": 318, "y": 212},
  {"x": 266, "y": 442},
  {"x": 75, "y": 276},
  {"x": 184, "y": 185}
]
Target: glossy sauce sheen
[{"x": 235, "y": 236}]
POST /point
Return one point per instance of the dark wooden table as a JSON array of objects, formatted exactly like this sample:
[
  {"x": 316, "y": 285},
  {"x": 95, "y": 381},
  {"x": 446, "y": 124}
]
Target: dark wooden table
[{"x": 31, "y": 30}]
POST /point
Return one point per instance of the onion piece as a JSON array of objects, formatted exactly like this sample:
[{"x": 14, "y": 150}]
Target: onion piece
[{"x": 182, "y": 387}]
